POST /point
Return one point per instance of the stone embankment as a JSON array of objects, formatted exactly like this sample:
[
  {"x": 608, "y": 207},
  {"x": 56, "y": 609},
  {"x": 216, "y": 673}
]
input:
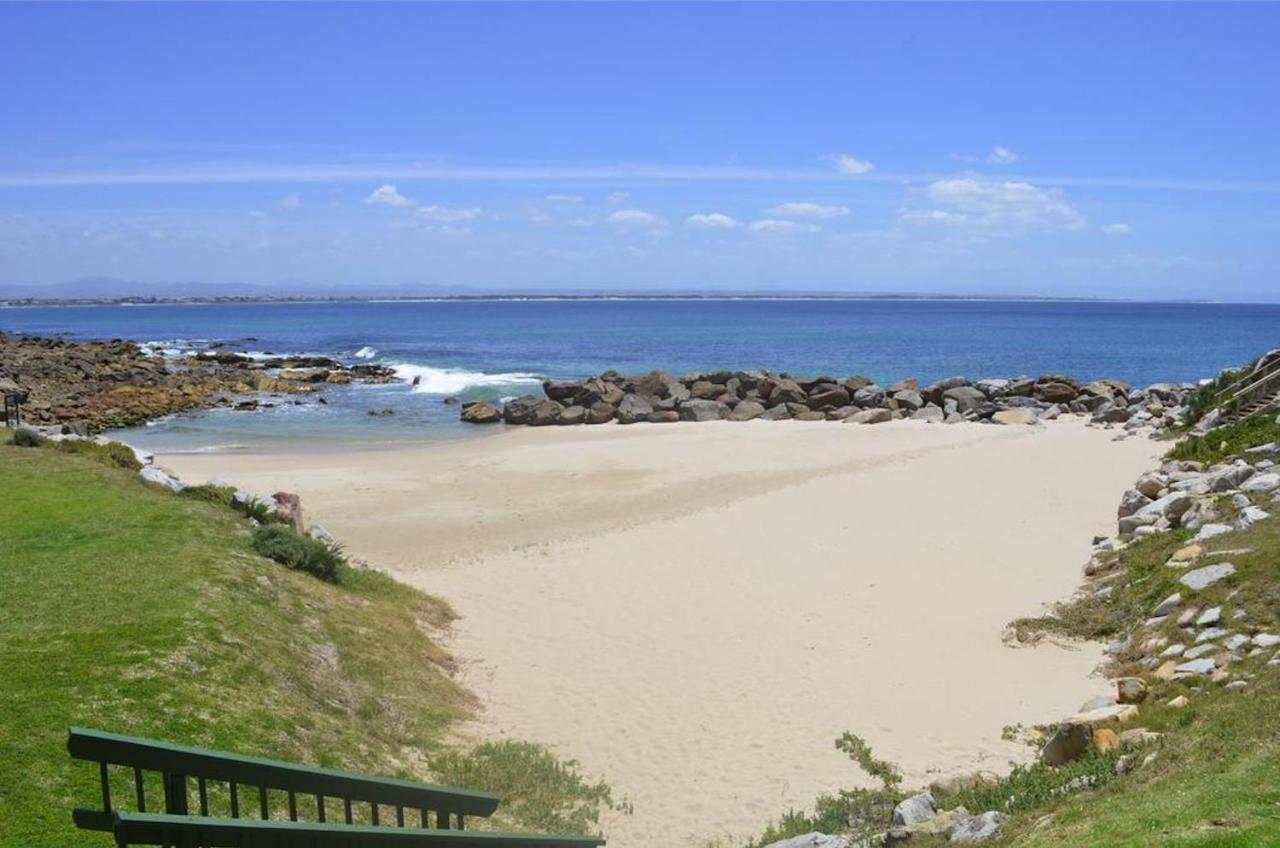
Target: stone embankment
[
  {"x": 99, "y": 385},
  {"x": 659, "y": 397}
]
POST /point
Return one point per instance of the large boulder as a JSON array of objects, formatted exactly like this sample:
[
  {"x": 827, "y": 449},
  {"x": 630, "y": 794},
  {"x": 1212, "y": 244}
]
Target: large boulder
[
  {"x": 703, "y": 410},
  {"x": 747, "y": 410},
  {"x": 1015, "y": 416},
  {"x": 154, "y": 475},
  {"x": 1066, "y": 743},
  {"x": 915, "y": 809},
  {"x": 869, "y": 395},
  {"x": 600, "y": 412},
  {"x": 572, "y": 415},
  {"x": 931, "y": 414},
  {"x": 561, "y": 391},
  {"x": 287, "y": 509},
  {"x": 480, "y": 412},
  {"x": 907, "y": 399},
  {"x": 967, "y": 398},
  {"x": 786, "y": 391},
  {"x": 870, "y": 416},
  {"x": 632, "y": 409},
  {"x": 833, "y": 398},
  {"x": 663, "y": 416},
  {"x": 1054, "y": 391},
  {"x": 545, "y": 413},
  {"x": 705, "y": 390},
  {"x": 520, "y": 410},
  {"x": 1205, "y": 576}
]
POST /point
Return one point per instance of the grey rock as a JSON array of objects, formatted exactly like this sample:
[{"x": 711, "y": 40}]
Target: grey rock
[
  {"x": 931, "y": 414},
  {"x": 1168, "y": 605},
  {"x": 1200, "y": 578},
  {"x": 154, "y": 475},
  {"x": 703, "y": 410},
  {"x": 978, "y": 828},
  {"x": 812, "y": 840},
  {"x": 1131, "y": 502},
  {"x": 1067, "y": 743},
  {"x": 967, "y": 398},
  {"x": 915, "y": 809},
  {"x": 632, "y": 409},
  {"x": 747, "y": 410},
  {"x": 572, "y": 415},
  {"x": 545, "y": 413},
  {"x": 1200, "y": 666},
  {"x": 1249, "y": 516},
  {"x": 870, "y": 416},
  {"x": 521, "y": 409},
  {"x": 1210, "y": 616},
  {"x": 1171, "y": 506},
  {"x": 776, "y": 413},
  {"x": 1208, "y": 531}
]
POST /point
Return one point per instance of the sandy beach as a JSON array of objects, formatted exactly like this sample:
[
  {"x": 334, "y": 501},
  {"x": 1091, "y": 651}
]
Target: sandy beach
[{"x": 695, "y": 612}]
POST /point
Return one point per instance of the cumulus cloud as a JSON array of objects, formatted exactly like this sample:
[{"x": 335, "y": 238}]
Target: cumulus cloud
[
  {"x": 447, "y": 215},
  {"x": 1001, "y": 155},
  {"x": 808, "y": 210},
  {"x": 711, "y": 221},
  {"x": 564, "y": 198},
  {"x": 289, "y": 202},
  {"x": 852, "y": 166},
  {"x": 774, "y": 225},
  {"x": 618, "y": 197},
  {"x": 637, "y": 219},
  {"x": 995, "y": 207},
  {"x": 387, "y": 195},
  {"x": 1118, "y": 230}
]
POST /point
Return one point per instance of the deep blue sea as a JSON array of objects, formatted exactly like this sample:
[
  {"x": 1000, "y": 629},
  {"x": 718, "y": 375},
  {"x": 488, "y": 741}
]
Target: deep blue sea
[{"x": 494, "y": 349}]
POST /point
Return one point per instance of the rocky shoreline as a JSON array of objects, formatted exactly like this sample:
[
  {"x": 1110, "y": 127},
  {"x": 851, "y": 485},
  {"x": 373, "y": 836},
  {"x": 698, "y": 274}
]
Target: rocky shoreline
[
  {"x": 91, "y": 386},
  {"x": 659, "y": 397}
]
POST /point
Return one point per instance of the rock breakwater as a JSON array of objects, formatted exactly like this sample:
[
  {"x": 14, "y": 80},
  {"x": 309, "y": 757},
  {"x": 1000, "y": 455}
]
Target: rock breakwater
[{"x": 660, "y": 397}]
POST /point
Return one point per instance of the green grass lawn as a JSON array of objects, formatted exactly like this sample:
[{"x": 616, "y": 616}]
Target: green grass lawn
[{"x": 125, "y": 608}]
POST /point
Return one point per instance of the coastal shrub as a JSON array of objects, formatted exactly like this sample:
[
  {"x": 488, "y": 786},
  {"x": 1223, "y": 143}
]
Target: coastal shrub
[
  {"x": 114, "y": 454},
  {"x": 858, "y": 813},
  {"x": 1226, "y": 441},
  {"x": 301, "y": 553},
  {"x": 538, "y": 788},
  {"x": 220, "y": 495},
  {"x": 1029, "y": 787},
  {"x": 259, "y": 510},
  {"x": 25, "y": 438}
]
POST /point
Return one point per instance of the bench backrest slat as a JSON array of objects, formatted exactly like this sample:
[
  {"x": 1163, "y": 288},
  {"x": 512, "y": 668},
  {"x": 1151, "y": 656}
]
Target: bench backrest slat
[
  {"x": 151, "y": 829},
  {"x": 180, "y": 761}
]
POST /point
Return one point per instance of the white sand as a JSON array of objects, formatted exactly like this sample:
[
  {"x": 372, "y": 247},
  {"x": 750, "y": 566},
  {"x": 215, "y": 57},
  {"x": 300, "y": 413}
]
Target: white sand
[{"x": 695, "y": 612}]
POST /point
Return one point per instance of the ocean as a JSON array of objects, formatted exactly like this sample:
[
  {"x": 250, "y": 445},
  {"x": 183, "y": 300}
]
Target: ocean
[{"x": 500, "y": 348}]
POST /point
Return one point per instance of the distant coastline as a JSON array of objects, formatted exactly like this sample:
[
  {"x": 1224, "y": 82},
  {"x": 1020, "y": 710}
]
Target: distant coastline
[{"x": 226, "y": 300}]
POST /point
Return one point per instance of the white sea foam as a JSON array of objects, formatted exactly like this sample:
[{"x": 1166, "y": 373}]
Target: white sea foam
[
  {"x": 447, "y": 381},
  {"x": 366, "y": 352}
]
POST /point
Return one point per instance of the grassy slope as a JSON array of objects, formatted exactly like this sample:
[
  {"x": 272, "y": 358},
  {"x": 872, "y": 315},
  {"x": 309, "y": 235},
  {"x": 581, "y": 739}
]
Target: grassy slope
[{"x": 132, "y": 610}]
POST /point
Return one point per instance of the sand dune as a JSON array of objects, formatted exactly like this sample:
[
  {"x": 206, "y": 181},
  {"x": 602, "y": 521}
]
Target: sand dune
[{"x": 696, "y": 612}]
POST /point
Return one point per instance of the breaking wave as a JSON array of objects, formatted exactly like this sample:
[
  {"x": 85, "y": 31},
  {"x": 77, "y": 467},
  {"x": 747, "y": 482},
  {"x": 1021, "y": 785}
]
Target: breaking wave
[{"x": 448, "y": 381}]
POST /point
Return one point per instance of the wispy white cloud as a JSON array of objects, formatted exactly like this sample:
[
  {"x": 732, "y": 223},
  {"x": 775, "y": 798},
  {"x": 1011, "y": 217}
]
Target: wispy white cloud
[
  {"x": 1001, "y": 155},
  {"x": 1117, "y": 229},
  {"x": 808, "y": 210},
  {"x": 995, "y": 207},
  {"x": 711, "y": 221},
  {"x": 564, "y": 198},
  {"x": 636, "y": 219},
  {"x": 852, "y": 166},
  {"x": 445, "y": 214},
  {"x": 774, "y": 225},
  {"x": 387, "y": 195},
  {"x": 201, "y": 173},
  {"x": 290, "y": 202}
]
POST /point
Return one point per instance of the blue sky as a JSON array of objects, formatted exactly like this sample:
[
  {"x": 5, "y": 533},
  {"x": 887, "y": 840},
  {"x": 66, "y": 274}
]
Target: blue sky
[{"x": 1074, "y": 149}]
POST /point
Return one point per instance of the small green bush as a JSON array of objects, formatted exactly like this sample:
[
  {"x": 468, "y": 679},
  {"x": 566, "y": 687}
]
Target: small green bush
[
  {"x": 220, "y": 495},
  {"x": 25, "y": 438},
  {"x": 301, "y": 553},
  {"x": 115, "y": 454},
  {"x": 259, "y": 510}
]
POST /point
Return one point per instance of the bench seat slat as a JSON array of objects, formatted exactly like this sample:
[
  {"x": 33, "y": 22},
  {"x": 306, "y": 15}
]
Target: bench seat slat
[
  {"x": 150, "y": 755},
  {"x": 132, "y": 829}
]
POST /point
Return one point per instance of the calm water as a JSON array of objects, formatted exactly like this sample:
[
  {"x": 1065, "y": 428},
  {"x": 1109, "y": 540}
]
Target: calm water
[{"x": 501, "y": 348}]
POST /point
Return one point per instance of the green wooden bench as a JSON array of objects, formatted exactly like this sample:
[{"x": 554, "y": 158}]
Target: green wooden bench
[{"x": 354, "y": 810}]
